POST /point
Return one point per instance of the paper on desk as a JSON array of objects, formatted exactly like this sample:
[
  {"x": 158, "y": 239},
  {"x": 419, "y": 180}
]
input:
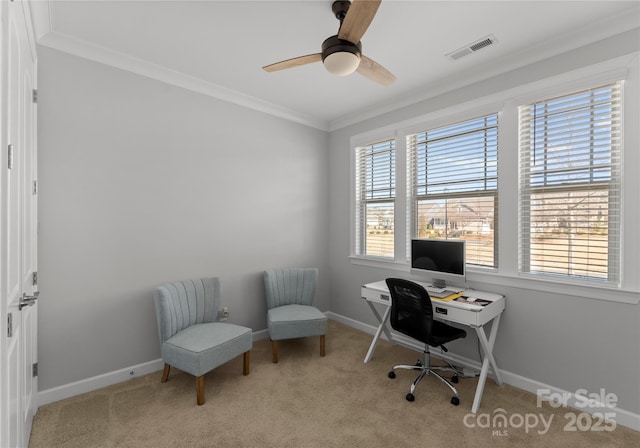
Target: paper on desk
[{"x": 448, "y": 298}]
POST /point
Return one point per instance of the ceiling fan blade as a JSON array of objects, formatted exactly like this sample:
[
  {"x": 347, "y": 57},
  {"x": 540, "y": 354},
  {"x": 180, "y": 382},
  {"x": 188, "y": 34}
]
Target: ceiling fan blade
[
  {"x": 375, "y": 72},
  {"x": 358, "y": 19},
  {"x": 294, "y": 62}
]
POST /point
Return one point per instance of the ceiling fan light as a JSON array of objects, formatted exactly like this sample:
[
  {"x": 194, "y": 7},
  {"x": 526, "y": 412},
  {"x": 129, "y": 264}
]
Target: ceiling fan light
[{"x": 341, "y": 63}]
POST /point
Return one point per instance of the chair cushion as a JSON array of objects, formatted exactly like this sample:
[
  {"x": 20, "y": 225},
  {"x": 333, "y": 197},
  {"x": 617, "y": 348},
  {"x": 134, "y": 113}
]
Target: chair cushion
[
  {"x": 203, "y": 347},
  {"x": 295, "y": 321},
  {"x": 442, "y": 333}
]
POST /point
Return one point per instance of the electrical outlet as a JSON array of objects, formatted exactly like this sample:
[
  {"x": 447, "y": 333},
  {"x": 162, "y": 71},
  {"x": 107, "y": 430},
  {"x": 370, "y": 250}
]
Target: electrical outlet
[
  {"x": 468, "y": 372},
  {"x": 224, "y": 313}
]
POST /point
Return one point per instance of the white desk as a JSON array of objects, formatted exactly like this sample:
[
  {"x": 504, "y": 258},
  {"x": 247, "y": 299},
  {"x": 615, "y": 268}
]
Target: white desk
[{"x": 474, "y": 316}]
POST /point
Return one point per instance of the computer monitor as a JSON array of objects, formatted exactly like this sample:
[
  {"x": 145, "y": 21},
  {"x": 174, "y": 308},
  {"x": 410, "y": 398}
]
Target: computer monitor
[{"x": 443, "y": 260}]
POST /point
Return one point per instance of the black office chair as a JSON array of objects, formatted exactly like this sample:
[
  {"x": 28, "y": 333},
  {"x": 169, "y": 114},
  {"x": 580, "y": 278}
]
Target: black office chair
[{"x": 412, "y": 314}]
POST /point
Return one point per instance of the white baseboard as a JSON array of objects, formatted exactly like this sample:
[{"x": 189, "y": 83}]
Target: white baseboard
[
  {"x": 260, "y": 334},
  {"x": 576, "y": 404},
  {"x": 621, "y": 416},
  {"x": 107, "y": 379},
  {"x": 97, "y": 382}
]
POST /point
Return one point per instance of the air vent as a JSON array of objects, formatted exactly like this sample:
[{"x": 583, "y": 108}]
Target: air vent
[{"x": 472, "y": 47}]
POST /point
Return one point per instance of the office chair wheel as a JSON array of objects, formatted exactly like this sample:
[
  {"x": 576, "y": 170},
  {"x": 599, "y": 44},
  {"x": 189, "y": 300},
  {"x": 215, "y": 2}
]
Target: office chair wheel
[
  {"x": 410, "y": 397},
  {"x": 455, "y": 401},
  {"x": 392, "y": 374},
  {"x": 454, "y": 379}
]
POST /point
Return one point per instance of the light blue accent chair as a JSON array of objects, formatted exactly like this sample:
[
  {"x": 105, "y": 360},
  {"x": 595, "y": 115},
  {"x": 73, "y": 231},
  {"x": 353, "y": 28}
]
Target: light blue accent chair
[
  {"x": 191, "y": 338},
  {"x": 289, "y": 294}
]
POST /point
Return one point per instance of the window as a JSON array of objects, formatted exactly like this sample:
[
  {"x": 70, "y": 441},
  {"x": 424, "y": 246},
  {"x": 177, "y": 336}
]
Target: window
[
  {"x": 570, "y": 185},
  {"x": 375, "y": 199},
  {"x": 454, "y": 186},
  {"x": 535, "y": 179}
]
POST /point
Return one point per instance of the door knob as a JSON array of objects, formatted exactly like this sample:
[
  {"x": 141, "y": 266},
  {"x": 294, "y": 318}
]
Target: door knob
[{"x": 28, "y": 300}]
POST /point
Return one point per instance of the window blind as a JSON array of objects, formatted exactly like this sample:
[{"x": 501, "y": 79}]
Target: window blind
[
  {"x": 375, "y": 198},
  {"x": 570, "y": 185},
  {"x": 453, "y": 186}
]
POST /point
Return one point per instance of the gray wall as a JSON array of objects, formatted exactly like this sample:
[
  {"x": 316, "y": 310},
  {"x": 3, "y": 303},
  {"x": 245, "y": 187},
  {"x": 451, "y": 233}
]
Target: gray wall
[
  {"x": 565, "y": 341},
  {"x": 143, "y": 183}
]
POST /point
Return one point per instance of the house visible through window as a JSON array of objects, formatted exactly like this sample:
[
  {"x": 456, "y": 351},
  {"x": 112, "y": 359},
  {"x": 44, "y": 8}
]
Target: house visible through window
[
  {"x": 454, "y": 186},
  {"x": 375, "y": 199},
  {"x": 570, "y": 182}
]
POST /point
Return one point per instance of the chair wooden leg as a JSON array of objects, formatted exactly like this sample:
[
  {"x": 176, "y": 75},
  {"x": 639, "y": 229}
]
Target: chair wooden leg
[
  {"x": 165, "y": 373},
  {"x": 274, "y": 346},
  {"x": 245, "y": 363},
  {"x": 322, "y": 341},
  {"x": 200, "y": 390}
]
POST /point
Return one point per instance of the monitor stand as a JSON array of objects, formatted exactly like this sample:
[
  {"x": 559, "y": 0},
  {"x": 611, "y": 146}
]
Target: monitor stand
[{"x": 439, "y": 283}]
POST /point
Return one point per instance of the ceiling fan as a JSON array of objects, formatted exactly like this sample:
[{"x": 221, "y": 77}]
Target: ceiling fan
[{"x": 342, "y": 53}]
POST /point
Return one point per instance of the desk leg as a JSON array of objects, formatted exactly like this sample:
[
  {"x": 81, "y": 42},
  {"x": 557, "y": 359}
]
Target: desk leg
[
  {"x": 382, "y": 327},
  {"x": 487, "y": 348}
]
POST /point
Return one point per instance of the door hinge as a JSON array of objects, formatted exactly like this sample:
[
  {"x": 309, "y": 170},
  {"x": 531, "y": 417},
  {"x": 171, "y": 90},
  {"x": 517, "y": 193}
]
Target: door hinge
[
  {"x": 10, "y": 325},
  {"x": 10, "y": 157},
  {"x": 35, "y": 278},
  {"x": 35, "y": 96},
  {"x": 35, "y": 187},
  {"x": 34, "y": 369}
]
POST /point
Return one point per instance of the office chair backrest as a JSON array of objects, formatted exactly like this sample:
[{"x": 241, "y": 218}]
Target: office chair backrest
[
  {"x": 411, "y": 311},
  {"x": 182, "y": 304},
  {"x": 290, "y": 286}
]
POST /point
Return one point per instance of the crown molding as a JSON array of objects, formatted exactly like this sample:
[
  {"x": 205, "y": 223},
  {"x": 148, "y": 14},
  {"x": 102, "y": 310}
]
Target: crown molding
[
  {"x": 572, "y": 40},
  {"x": 86, "y": 50},
  {"x": 48, "y": 37}
]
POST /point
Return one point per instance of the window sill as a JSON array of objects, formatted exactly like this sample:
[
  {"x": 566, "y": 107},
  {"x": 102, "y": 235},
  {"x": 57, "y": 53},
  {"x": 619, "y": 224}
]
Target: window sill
[
  {"x": 384, "y": 263},
  {"x": 530, "y": 282},
  {"x": 585, "y": 290}
]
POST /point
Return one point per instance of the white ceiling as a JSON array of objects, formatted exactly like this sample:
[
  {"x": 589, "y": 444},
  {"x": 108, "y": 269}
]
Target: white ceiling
[{"x": 219, "y": 47}]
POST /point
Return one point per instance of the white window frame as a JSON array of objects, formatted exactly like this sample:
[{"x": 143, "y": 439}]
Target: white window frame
[
  {"x": 356, "y": 142},
  {"x": 506, "y": 102},
  {"x": 526, "y": 189},
  {"x": 412, "y": 199},
  {"x": 361, "y": 170}
]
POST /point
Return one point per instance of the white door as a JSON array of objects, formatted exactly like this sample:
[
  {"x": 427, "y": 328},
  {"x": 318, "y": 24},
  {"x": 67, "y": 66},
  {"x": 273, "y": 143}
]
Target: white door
[
  {"x": 29, "y": 233},
  {"x": 19, "y": 228}
]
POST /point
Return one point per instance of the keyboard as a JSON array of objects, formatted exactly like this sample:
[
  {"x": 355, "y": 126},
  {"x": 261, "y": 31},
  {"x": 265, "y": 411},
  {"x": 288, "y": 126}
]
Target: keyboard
[{"x": 440, "y": 293}]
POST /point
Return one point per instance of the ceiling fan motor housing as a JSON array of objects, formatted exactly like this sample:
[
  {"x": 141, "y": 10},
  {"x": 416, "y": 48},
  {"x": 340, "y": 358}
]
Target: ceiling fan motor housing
[{"x": 335, "y": 45}]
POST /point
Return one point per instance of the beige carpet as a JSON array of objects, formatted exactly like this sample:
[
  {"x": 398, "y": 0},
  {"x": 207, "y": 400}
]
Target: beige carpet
[{"x": 308, "y": 401}]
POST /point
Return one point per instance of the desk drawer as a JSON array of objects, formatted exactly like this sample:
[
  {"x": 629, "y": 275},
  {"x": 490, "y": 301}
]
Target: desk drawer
[
  {"x": 451, "y": 311},
  {"x": 375, "y": 296},
  {"x": 452, "y": 314}
]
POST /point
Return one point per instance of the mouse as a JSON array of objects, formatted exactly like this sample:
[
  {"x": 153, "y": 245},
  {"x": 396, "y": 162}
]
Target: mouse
[{"x": 471, "y": 299}]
